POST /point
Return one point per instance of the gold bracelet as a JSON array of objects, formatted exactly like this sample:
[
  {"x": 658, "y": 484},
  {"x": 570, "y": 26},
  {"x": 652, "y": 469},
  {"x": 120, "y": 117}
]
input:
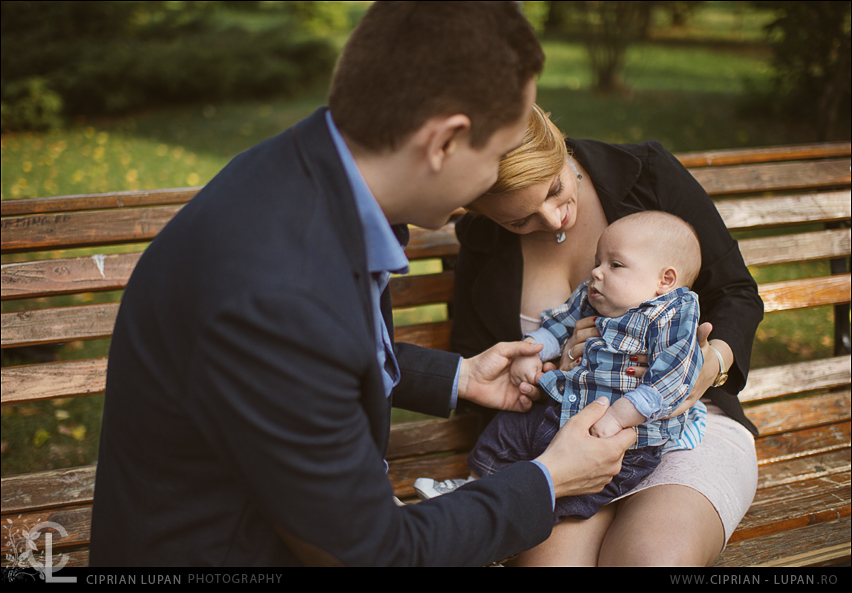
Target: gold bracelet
[{"x": 723, "y": 372}]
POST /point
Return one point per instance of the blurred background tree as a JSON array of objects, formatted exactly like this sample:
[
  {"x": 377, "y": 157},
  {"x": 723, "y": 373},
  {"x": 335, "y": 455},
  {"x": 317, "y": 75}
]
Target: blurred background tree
[
  {"x": 605, "y": 29},
  {"x": 105, "y": 57},
  {"x": 811, "y": 47}
]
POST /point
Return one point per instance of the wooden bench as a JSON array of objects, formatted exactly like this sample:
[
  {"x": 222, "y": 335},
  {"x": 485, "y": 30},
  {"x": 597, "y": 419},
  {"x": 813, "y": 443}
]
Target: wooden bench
[{"x": 801, "y": 514}]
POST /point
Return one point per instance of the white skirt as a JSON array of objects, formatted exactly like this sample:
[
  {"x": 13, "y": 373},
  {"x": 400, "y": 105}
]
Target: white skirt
[{"x": 723, "y": 468}]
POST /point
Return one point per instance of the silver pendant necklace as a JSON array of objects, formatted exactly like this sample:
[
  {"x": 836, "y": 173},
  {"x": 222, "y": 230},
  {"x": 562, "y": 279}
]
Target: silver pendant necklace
[{"x": 560, "y": 237}]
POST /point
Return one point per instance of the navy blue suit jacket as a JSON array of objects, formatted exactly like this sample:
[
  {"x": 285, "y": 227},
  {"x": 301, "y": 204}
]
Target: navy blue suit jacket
[{"x": 244, "y": 398}]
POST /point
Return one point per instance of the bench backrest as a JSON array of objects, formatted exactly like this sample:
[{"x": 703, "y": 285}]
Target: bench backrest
[{"x": 767, "y": 189}]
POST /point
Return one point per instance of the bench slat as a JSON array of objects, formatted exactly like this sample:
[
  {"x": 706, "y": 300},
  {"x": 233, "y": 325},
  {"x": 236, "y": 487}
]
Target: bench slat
[
  {"x": 778, "y": 417},
  {"x": 410, "y": 291},
  {"x": 425, "y": 244},
  {"x": 433, "y": 436},
  {"x": 48, "y": 489},
  {"x": 402, "y": 473},
  {"x": 85, "y": 377},
  {"x": 801, "y": 443},
  {"x": 36, "y": 382},
  {"x": 77, "y": 521},
  {"x": 742, "y": 156},
  {"x": 111, "y": 272},
  {"x": 84, "y": 229},
  {"x": 429, "y": 335},
  {"x": 809, "y": 292},
  {"x": 182, "y": 195},
  {"x": 122, "y": 199},
  {"x": 51, "y": 326},
  {"x": 803, "y": 468},
  {"x": 814, "y": 545},
  {"x": 66, "y": 276},
  {"x": 796, "y": 248},
  {"x": 800, "y": 503},
  {"x": 748, "y": 213},
  {"x": 796, "y": 378},
  {"x": 741, "y": 179}
]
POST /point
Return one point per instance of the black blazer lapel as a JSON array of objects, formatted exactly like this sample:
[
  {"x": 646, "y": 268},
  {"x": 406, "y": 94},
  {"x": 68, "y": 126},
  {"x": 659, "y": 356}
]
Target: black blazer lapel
[{"x": 319, "y": 157}]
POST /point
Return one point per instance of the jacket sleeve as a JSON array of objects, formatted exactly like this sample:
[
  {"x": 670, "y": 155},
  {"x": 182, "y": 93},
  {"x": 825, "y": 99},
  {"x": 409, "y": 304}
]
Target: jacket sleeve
[{"x": 285, "y": 413}]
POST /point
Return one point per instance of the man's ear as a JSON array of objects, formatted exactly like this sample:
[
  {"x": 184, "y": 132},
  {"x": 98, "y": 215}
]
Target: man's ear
[
  {"x": 443, "y": 137},
  {"x": 668, "y": 281}
]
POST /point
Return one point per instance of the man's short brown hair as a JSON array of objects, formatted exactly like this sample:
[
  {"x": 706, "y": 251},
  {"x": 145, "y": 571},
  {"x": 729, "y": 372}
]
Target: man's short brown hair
[{"x": 407, "y": 62}]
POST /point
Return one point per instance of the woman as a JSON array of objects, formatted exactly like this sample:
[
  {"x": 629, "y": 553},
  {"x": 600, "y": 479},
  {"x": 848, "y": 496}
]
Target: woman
[{"x": 529, "y": 242}]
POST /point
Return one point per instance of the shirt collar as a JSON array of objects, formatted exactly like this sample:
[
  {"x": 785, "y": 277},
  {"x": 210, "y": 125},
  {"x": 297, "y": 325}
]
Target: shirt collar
[{"x": 385, "y": 252}]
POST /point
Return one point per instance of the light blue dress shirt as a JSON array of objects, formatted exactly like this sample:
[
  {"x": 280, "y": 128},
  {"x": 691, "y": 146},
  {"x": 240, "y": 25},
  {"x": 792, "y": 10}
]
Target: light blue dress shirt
[{"x": 385, "y": 256}]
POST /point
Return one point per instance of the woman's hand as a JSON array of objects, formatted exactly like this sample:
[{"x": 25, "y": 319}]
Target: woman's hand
[
  {"x": 572, "y": 354},
  {"x": 710, "y": 369},
  {"x": 573, "y": 351}
]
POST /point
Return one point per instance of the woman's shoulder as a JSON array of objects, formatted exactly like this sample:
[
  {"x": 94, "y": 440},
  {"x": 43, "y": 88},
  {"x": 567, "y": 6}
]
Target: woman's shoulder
[{"x": 627, "y": 153}]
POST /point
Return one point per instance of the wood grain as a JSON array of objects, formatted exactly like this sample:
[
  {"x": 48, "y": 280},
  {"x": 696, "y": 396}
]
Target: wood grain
[
  {"x": 742, "y": 156},
  {"x": 752, "y": 179},
  {"x": 47, "y": 381},
  {"x": 814, "y": 545},
  {"x": 51, "y": 326},
  {"x": 796, "y": 378},
  {"x": 103, "y": 201},
  {"x": 751, "y": 213},
  {"x": 67, "y": 275},
  {"x": 798, "y": 247},
  {"x": 429, "y": 335},
  {"x": 801, "y": 294},
  {"x": 84, "y": 229}
]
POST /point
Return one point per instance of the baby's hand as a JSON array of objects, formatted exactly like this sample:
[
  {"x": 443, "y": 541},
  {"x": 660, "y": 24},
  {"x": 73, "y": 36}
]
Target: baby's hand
[
  {"x": 524, "y": 369},
  {"x": 619, "y": 415},
  {"x": 606, "y": 427}
]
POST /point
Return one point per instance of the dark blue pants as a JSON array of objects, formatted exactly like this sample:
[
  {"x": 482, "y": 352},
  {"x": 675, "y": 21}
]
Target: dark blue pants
[{"x": 514, "y": 436}]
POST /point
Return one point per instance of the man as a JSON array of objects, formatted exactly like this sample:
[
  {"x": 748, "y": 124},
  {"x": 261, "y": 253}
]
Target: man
[{"x": 252, "y": 367}]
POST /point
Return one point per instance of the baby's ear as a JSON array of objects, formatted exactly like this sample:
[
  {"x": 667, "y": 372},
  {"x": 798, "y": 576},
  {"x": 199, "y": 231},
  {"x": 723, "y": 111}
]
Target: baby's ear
[{"x": 668, "y": 281}]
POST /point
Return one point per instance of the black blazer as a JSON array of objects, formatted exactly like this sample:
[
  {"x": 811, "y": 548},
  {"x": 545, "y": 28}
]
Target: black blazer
[
  {"x": 243, "y": 391},
  {"x": 628, "y": 178}
]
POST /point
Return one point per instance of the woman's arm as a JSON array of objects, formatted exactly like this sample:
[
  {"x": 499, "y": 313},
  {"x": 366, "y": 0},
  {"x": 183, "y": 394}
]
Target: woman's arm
[{"x": 728, "y": 294}]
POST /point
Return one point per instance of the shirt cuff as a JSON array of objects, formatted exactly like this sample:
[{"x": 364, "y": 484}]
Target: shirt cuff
[
  {"x": 548, "y": 340},
  {"x": 647, "y": 401},
  {"x": 454, "y": 397},
  {"x": 549, "y": 482}
]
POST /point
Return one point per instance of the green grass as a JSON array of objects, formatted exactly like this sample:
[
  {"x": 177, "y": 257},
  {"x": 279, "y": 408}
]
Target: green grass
[{"x": 688, "y": 97}]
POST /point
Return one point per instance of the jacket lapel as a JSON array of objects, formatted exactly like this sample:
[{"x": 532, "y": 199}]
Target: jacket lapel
[{"x": 319, "y": 157}]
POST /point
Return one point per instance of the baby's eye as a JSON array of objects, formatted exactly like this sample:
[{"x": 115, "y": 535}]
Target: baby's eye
[{"x": 615, "y": 264}]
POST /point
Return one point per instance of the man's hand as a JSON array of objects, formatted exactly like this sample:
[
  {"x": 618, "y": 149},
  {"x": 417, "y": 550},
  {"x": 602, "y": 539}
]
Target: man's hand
[
  {"x": 525, "y": 369},
  {"x": 485, "y": 379},
  {"x": 580, "y": 463}
]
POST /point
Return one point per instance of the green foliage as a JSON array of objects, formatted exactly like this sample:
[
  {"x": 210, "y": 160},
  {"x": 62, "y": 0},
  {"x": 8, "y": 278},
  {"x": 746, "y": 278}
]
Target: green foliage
[
  {"x": 29, "y": 104},
  {"x": 811, "y": 45},
  {"x": 118, "y": 57},
  {"x": 606, "y": 29}
]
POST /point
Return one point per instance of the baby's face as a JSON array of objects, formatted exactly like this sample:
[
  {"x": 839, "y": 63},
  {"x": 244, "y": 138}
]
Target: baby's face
[{"x": 627, "y": 271}]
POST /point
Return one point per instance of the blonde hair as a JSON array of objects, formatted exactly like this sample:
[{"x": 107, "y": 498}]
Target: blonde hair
[{"x": 541, "y": 157}]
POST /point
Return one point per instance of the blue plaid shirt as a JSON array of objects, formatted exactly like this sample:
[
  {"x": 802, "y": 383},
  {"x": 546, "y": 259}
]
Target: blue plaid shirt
[{"x": 664, "y": 329}]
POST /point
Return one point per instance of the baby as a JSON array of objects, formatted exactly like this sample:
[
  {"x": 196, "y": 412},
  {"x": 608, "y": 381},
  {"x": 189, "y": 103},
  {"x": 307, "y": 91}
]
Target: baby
[{"x": 640, "y": 298}]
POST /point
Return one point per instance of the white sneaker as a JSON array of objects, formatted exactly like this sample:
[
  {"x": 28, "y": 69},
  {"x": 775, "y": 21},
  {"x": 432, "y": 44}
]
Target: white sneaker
[{"x": 427, "y": 488}]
